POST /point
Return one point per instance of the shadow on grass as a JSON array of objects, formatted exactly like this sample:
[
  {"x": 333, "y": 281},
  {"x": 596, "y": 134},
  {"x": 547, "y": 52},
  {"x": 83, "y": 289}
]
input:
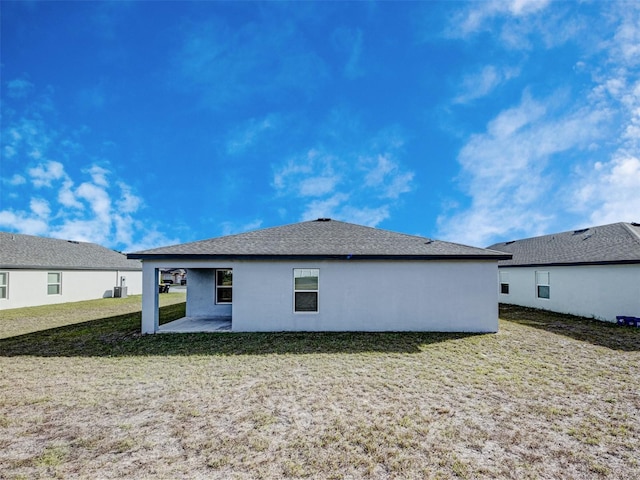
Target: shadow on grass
[
  {"x": 596, "y": 332},
  {"x": 119, "y": 337}
]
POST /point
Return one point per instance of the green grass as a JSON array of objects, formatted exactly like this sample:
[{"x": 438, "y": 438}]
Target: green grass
[
  {"x": 549, "y": 396},
  {"x": 19, "y": 321}
]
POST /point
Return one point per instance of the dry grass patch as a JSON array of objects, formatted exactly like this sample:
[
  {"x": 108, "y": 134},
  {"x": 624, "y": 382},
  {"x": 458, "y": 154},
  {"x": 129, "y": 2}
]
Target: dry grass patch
[{"x": 547, "y": 397}]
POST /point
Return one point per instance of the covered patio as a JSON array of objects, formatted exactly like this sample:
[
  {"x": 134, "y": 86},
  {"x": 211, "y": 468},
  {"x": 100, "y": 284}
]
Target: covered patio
[{"x": 196, "y": 325}]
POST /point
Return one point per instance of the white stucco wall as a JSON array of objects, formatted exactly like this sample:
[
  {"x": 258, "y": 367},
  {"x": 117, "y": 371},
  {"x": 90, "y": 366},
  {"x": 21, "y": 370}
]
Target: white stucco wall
[
  {"x": 201, "y": 295},
  {"x": 28, "y": 288},
  {"x": 353, "y": 295},
  {"x": 594, "y": 291},
  {"x": 369, "y": 296}
]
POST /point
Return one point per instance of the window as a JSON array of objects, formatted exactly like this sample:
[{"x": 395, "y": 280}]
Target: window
[
  {"x": 224, "y": 285},
  {"x": 542, "y": 285},
  {"x": 305, "y": 289},
  {"x": 504, "y": 282},
  {"x": 54, "y": 283},
  {"x": 4, "y": 283}
]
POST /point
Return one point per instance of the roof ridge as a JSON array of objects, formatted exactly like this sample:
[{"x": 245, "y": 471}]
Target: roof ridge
[{"x": 634, "y": 234}]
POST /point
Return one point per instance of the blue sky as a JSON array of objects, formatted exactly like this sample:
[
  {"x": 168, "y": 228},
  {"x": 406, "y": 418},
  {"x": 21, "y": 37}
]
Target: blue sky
[{"x": 141, "y": 124}]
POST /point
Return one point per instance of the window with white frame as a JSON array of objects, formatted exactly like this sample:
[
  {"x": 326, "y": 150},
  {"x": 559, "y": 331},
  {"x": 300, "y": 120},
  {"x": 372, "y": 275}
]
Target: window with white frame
[
  {"x": 305, "y": 289},
  {"x": 504, "y": 282},
  {"x": 4, "y": 285},
  {"x": 54, "y": 283},
  {"x": 542, "y": 285},
  {"x": 224, "y": 285}
]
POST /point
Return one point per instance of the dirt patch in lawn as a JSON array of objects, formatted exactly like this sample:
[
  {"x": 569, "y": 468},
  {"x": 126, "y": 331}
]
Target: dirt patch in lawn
[{"x": 528, "y": 402}]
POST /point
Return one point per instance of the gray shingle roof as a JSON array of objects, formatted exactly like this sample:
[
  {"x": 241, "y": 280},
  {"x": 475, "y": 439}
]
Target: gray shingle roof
[
  {"x": 320, "y": 238},
  {"x": 606, "y": 244},
  {"x": 26, "y": 251}
]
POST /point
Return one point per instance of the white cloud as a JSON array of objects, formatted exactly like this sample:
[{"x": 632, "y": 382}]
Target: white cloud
[
  {"x": 508, "y": 173},
  {"x": 482, "y": 83},
  {"x": 66, "y": 195},
  {"x": 370, "y": 217},
  {"x": 22, "y": 222},
  {"x": 244, "y": 137},
  {"x": 19, "y": 88},
  {"x": 40, "y": 208},
  {"x": 81, "y": 231},
  {"x": 50, "y": 197},
  {"x": 309, "y": 175},
  {"x": 386, "y": 175},
  {"x": 317, "y": 186},
  {"x": 520, "y": 26},
  {"x": 609, "y": 192},
  {"x": 98, "y": 200},
  {"x": 17, "y": 180},
  {"x": 359, "y": 179},
  {"x": 128, "y": 201},
  {"x": 475, "y": 18},
  {"x": 231, "y": 228},
  {"x": 45, "y": 173},
  {"x": 325, "y": 208},
  {"x": 83, "y": 213},
  {"x": 99, "y": 175},
  {"x": 515, "y": 172}
]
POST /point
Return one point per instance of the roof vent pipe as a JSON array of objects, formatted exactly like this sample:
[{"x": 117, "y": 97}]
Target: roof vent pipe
[{"x": 323, "y": 219}]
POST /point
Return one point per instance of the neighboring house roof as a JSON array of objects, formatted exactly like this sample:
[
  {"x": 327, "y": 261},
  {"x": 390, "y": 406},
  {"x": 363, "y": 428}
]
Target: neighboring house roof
[
  {"x": 322, "y": 238},
  {"x": 29, "y": 252},
  {"x": 617, "y": 243}
]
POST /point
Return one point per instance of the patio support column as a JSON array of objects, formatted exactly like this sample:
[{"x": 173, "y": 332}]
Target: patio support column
[{"x": 150, "y": 300}]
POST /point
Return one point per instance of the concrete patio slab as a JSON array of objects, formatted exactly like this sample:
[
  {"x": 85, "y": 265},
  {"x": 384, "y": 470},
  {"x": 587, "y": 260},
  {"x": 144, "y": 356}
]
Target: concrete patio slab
[{"x": 196, "y": 325}]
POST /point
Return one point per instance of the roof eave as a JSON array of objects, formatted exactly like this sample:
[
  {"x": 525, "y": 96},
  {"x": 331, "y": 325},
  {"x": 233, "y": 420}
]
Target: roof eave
[
  {"x": 67, "y": 267},
  {"x": 228, "y": 257},
  {"x": 573, "y": 264}
]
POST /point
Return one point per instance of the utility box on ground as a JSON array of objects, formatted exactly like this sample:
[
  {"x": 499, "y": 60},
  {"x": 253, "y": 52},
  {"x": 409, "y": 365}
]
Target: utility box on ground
[{"x": 119, "y": 292}]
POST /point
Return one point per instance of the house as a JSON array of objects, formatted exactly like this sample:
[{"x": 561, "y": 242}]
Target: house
[
  {"x": 327, "y": 275},
  {"x": 591, "y": 272},
  {"x": 177, "y": 276},
  {"x": 40, "y": 271}
]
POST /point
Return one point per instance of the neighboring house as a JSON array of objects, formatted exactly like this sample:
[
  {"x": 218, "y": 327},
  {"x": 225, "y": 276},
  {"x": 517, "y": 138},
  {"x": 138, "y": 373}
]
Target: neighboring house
[
  {"x": 40, "y": 271},
  {"x": 176, "y": 276},
  {"x": 326, "y": 275},
  {"x": 591, "y": 272}
]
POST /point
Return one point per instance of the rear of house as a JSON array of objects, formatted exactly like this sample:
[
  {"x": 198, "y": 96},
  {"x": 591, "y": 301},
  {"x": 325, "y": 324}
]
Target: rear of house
[
  {"x": 592, "y": 272},
  {"x": 41, "y": 271},
  {"x": 326, "y": 275}
]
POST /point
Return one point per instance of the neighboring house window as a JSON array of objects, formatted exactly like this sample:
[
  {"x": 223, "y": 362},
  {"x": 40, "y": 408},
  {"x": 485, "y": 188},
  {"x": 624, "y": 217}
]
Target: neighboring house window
[
  {"x": 504, "y": 282},
  {"x": 224, "y": 285},
  {"x": 542, "y": 285},
  {"x": 54, "y": 283},
  {"x": 305, "y": 289},
  {"x": 4, "y": 284}
]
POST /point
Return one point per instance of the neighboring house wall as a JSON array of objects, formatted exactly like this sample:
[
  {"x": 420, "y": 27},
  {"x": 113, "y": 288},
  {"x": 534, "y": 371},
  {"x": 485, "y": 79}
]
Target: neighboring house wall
[
  {"x": 594, "y": 291},
  {"x": 27, "y": 288}
]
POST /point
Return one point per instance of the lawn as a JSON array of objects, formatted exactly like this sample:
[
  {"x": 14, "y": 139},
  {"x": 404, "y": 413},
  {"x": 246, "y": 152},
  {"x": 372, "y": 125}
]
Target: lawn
[{"x": 549, "y": 396}]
